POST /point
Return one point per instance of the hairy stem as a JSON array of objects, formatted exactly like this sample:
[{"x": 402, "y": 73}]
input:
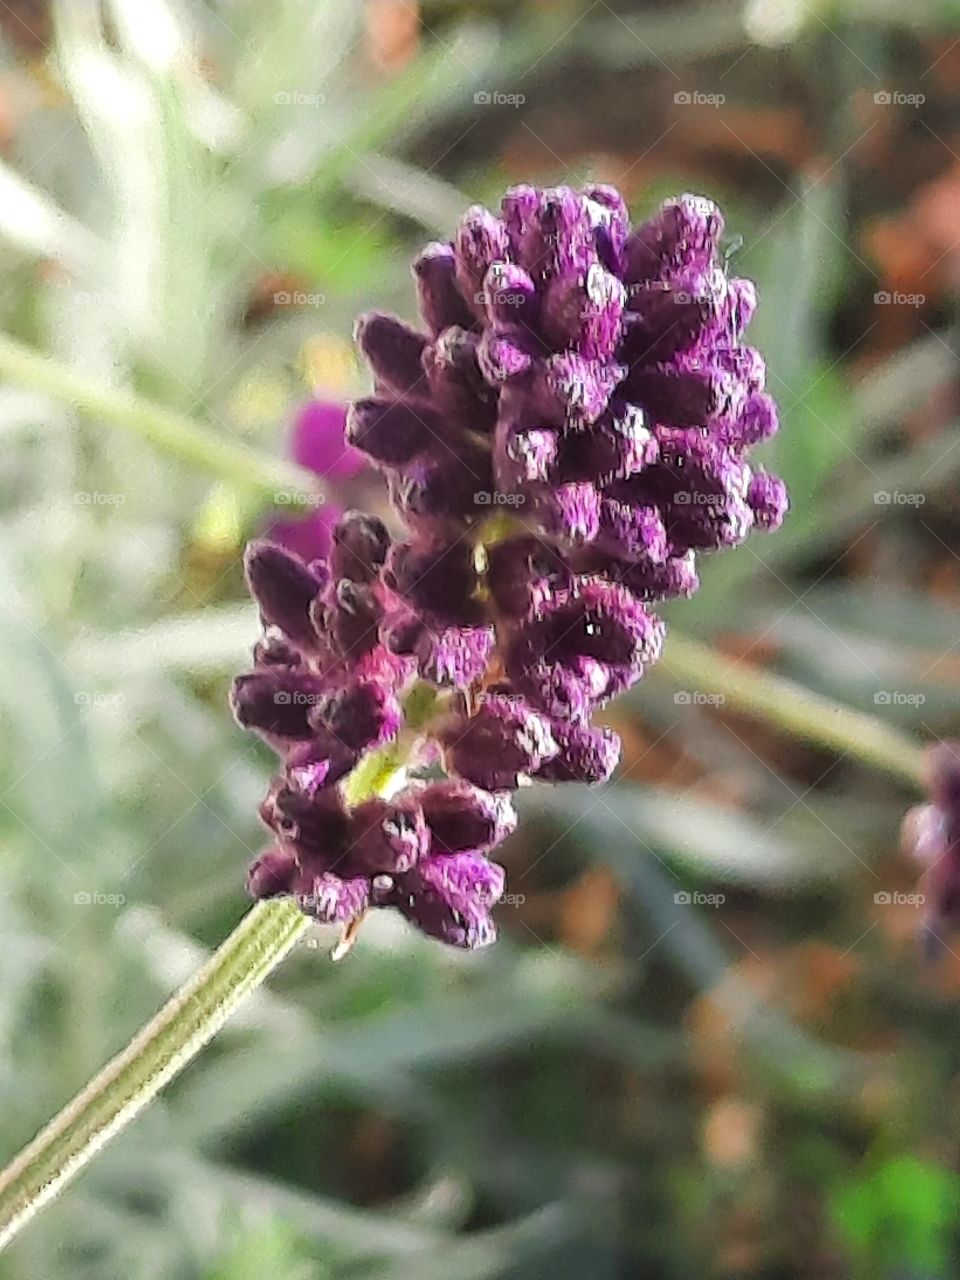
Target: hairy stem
[
  {"x": 791, "y": 707},
  {"x": 171, "y": 432}
]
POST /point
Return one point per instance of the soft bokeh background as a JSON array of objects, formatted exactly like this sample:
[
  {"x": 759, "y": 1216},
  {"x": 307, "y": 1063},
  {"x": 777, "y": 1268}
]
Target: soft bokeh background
[{"x": 195, "y": 200}]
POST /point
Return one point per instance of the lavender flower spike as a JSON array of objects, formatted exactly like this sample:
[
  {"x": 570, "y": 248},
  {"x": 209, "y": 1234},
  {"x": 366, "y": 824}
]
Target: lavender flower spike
[{"x": 564, "y": 439}]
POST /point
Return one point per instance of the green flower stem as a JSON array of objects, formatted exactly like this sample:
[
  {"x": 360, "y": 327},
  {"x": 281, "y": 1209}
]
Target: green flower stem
[
  {"x": 171, "y": 432},
  {"x": 155, "y": 1055},
  {"x": 790, "y": 707},
  {"x": 187, "y": 1022}
]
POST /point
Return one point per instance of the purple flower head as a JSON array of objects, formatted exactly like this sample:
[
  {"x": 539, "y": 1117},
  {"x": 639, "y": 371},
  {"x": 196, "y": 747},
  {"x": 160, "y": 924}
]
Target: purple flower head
[{"x": 563, "y": 439}]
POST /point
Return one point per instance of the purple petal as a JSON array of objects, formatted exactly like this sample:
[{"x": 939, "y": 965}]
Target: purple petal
[
  {"x": 502, "y": 742},
  {"x": 360, "y": 545},
  {"x": 587, "y": 754},
  {"x": 272, "y": 874},
  {"x": 331, "y": 900},
  {"x": 441, "y": 302},
  {"x": 393, "y": 350},
  {"x": 388, "y": 837},
  {"x": 767, "y": 499},
  {"x": 463, "y": 878},
  {"x": 285, "y": 589},
  {"x": 277, "y": 704},
  {"x": 393, "y": 431},
  {"x": 462, "y": 817},
  {"x": 363, "y": 714}
]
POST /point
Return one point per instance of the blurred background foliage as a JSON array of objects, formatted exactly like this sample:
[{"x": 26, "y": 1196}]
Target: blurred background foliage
[{"x": 196, "y": 198}]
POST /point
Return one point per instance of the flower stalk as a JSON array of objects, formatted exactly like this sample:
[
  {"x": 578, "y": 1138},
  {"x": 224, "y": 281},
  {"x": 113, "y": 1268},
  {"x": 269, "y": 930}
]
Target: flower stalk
[
  {"x": 171, "y": 432},
  {"x": 186, "y": 1023},
  {"x": 791, "y": 708}
]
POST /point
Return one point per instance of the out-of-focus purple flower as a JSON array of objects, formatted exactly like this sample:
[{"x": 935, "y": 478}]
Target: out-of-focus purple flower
[
  {"x": 318, "y": 442},
  {"x": 563, "y": 441},
  {"x": 931, "y": 835}
]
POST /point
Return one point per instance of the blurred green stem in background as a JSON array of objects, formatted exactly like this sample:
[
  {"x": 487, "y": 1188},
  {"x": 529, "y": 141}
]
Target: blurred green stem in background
[
  {"x": 788, "y": 706},
  {"x": 169, "y": 431},
  {"x": 187, "y": 1022}
]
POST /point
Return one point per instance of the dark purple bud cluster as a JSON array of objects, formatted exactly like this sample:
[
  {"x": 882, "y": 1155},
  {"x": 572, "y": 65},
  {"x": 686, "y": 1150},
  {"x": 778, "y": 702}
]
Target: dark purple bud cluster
[
  {"x": 323, "y": 693},
  {"x": 569, "y": 432}
]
